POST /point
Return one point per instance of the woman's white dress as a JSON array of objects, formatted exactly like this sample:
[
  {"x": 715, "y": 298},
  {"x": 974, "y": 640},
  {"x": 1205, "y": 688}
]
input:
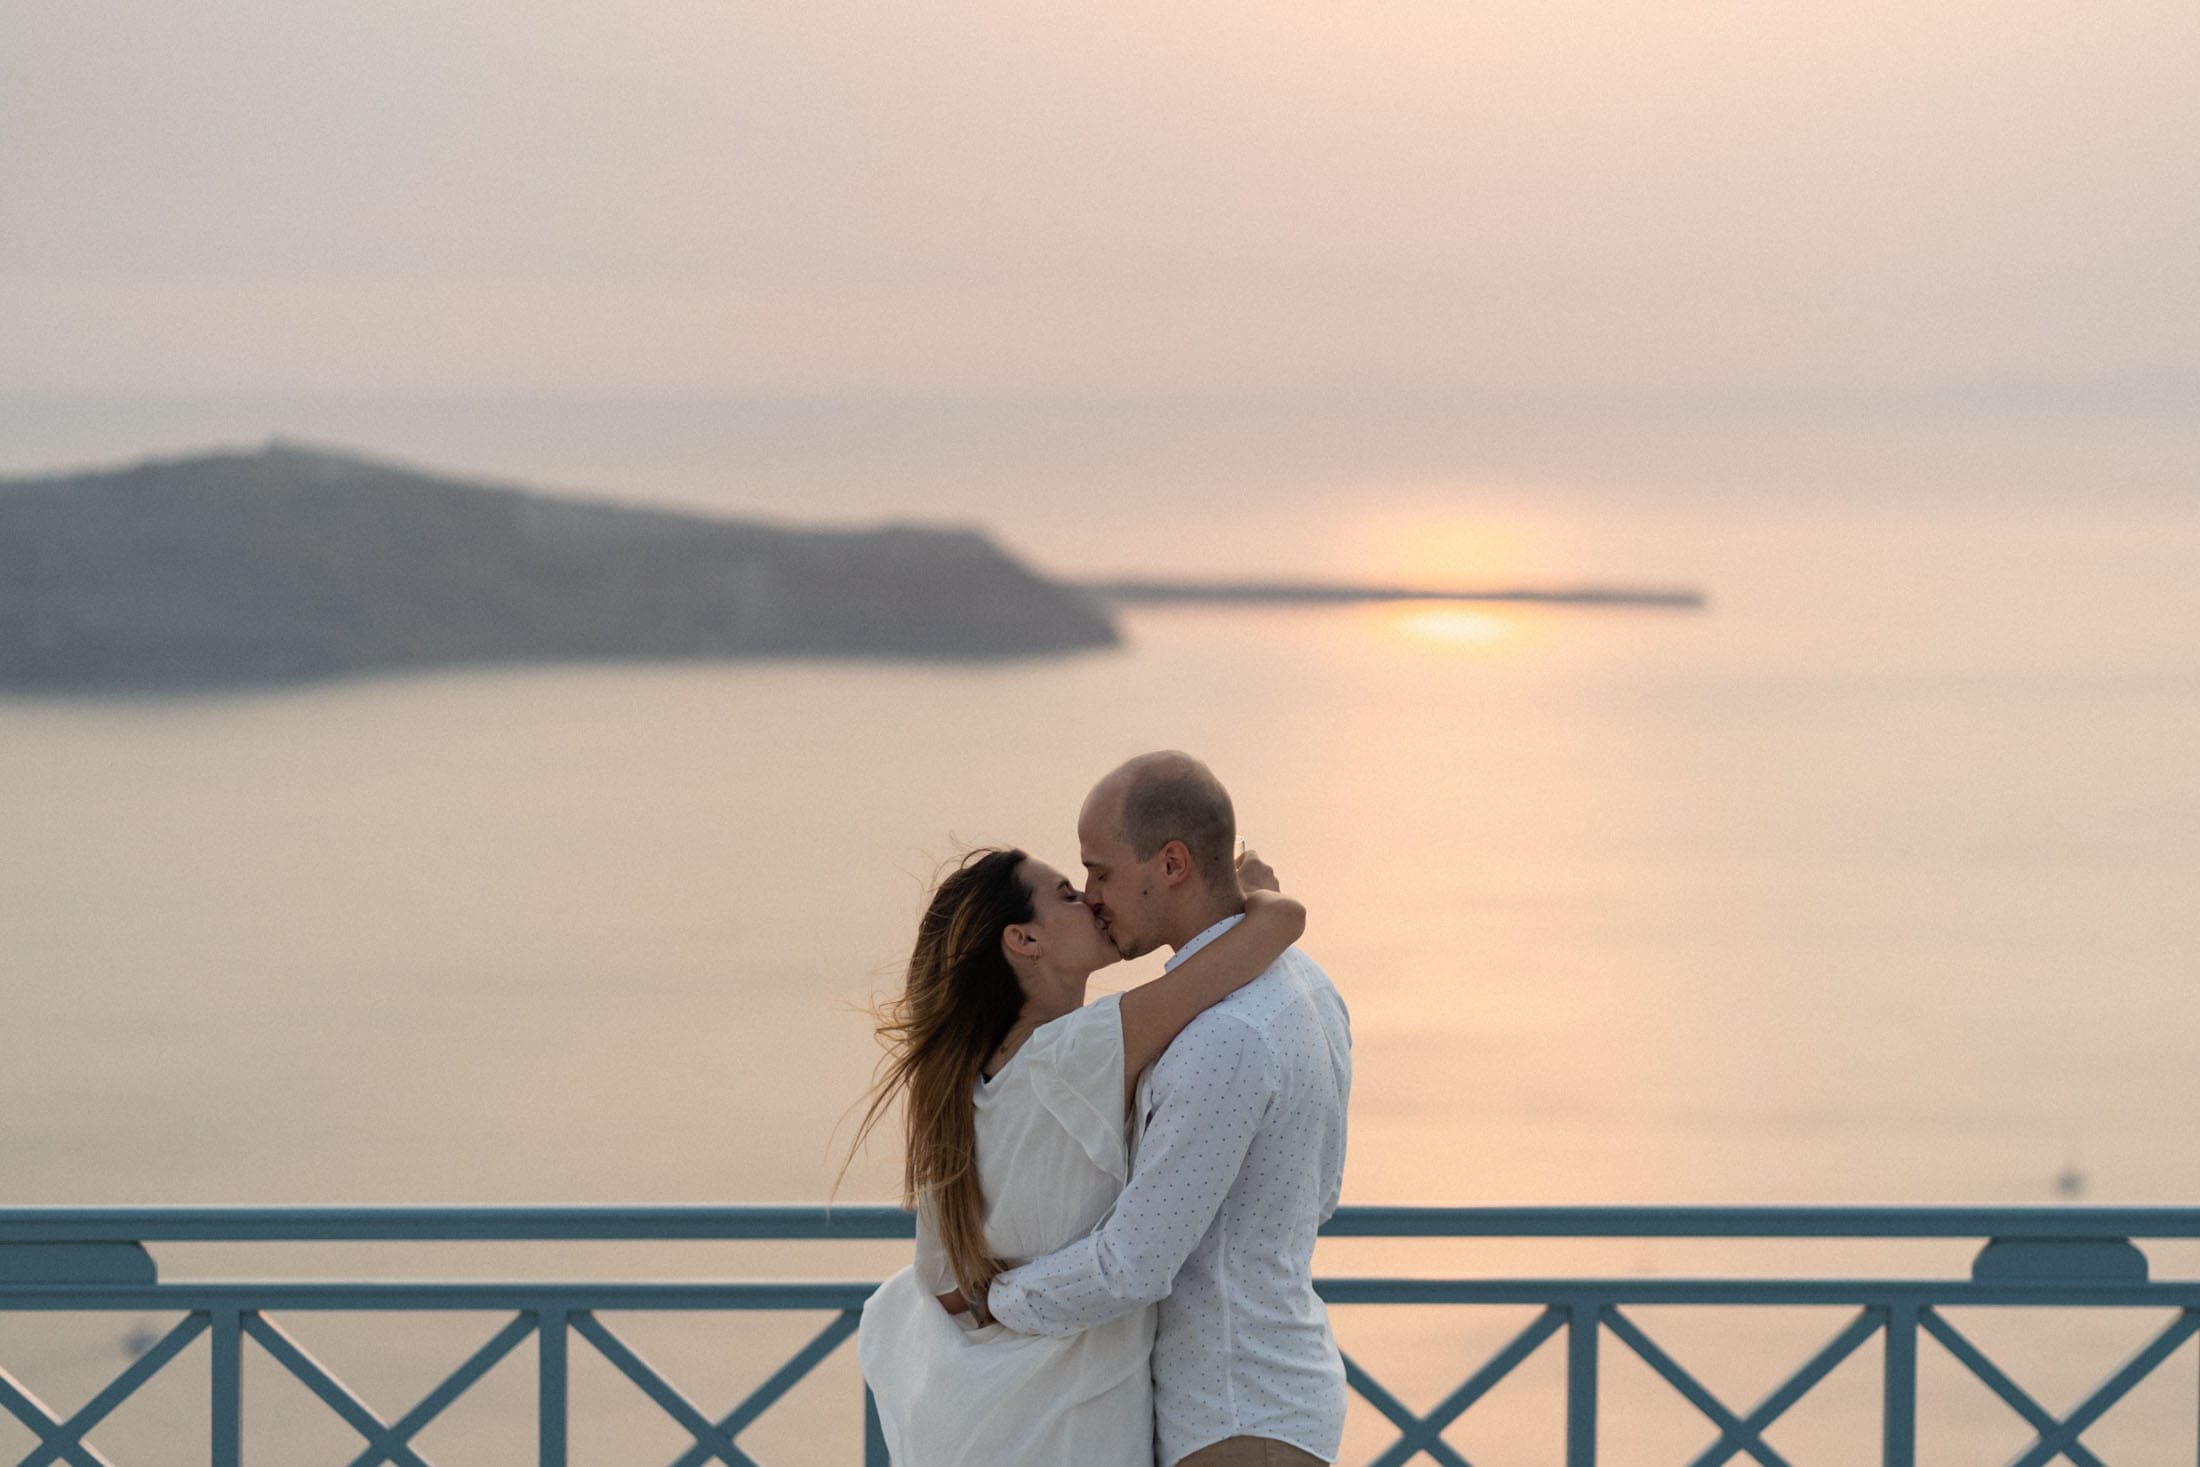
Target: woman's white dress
[{"x": 1052, "y": 1154}]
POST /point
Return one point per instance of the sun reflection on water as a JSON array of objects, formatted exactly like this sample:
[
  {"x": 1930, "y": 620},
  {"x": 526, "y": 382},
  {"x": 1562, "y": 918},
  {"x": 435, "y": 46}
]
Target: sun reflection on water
[{"x": 1443, "y": 624}]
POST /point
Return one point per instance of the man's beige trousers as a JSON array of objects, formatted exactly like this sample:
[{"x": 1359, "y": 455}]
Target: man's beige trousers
[{"x": 1250, "y": 1451}]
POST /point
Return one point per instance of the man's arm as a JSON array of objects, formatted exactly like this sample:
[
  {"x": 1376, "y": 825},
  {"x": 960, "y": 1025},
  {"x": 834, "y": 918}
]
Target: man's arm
[
  {"x": 1209, "y": 1094},
  {"x": 1155, "y": 1013}
]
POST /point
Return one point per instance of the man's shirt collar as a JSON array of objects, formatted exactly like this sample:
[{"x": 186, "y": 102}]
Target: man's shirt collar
[{"x": 1203, "y": 939}]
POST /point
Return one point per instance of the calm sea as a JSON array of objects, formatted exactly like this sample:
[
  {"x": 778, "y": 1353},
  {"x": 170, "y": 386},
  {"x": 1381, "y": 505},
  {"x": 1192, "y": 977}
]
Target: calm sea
[{"x": 1875, "y": 882}]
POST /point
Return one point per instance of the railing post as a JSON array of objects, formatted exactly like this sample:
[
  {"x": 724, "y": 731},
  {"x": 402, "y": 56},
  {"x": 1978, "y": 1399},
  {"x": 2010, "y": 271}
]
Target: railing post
[
  {"x": 227, "y": 1428},
  {"x": 874, "y": 1435},
  {"x": 1898, "y": 1414},
  {"x": 550, "y": 1387},
  {"x": 1584, "y": 1318}
]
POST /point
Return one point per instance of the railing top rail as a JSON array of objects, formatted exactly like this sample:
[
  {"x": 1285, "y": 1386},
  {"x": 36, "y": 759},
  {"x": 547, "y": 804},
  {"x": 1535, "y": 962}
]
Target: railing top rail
[{"x": 786, "y": 1223}]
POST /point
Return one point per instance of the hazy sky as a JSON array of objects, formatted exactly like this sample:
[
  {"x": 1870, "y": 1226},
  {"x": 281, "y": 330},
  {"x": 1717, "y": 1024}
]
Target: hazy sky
[{"x": 1552, "y": 221}]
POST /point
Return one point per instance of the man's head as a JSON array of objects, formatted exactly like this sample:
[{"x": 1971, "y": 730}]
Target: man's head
[{"x": 1157, "y": 838}]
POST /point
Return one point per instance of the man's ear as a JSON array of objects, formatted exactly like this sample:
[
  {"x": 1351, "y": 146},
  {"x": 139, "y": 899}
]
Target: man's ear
[{"x": 1176, "y": 862}]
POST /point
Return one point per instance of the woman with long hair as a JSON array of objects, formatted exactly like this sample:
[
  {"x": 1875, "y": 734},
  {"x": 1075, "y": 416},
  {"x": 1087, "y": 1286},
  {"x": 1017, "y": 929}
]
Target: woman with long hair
[{"x": 1015, "y": 1097}]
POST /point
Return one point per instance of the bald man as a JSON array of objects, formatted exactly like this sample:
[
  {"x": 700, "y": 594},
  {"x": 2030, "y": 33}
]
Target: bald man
[{"x": 1240, "y": 1152}]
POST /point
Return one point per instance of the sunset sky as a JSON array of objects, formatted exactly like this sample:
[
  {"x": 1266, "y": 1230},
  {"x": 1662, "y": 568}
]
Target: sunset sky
[{"x": 864, "y": 258}]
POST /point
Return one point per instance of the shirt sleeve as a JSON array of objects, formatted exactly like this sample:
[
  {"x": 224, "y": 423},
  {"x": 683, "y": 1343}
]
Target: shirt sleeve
[{"x": 1208, "y": 1098}]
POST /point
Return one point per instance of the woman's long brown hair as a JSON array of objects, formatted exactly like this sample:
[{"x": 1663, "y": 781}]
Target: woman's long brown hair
[{"x": 959, "y": 1002}]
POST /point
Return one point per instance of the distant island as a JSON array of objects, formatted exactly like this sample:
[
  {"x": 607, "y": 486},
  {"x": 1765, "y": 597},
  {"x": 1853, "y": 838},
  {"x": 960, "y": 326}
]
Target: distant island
[
  {"x": 290, "y": 564},
  {"x": 1318, "y": 593}
]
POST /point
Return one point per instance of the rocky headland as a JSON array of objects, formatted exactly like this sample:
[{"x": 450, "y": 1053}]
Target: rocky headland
[{"x": 291, "y": 563}]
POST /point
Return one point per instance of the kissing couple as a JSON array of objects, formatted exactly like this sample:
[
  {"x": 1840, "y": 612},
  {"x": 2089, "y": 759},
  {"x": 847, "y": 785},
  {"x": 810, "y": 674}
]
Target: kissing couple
[{"x": 1117, "y": 1201}]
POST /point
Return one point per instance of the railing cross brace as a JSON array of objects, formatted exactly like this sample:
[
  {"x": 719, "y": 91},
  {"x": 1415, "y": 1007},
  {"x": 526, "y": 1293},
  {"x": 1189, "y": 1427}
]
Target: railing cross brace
[
  {"x": 1753, "y": 1426},
  {"x": 1424, "y": 1434},
  {"x": 454, "y": 1385},
  {"x": 2115, "y": 1388},
  {"x": 67, "y": 1438},
  {"x": 383, "y": 1441},
  {"x": 714, "y": 1440},
  {"x": 2038, "y": 1417},
  {"x": 1739, "y": 1434},
  {"x": 2059, "y": 1436},
  {"x": 1401, "y": 1416},
  {"x": 39, "y": 1417},
  {"x": 782, "y": 1381},
  {"x": 1732, "y": 1427}
]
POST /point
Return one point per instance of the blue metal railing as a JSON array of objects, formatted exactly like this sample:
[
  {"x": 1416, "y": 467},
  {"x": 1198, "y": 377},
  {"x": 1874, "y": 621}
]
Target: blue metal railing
[{"x": 95, "y": 1260}]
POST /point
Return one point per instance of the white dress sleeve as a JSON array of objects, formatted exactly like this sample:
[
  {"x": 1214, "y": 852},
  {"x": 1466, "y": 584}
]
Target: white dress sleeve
[
  {"x": 931, "y": 1267},
  {"x": 1077, "y": 1074}
]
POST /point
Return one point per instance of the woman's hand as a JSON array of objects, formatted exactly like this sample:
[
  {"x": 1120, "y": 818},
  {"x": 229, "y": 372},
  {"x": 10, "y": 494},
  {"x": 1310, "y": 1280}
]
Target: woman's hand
[{"x": 1254, "y": 874}]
